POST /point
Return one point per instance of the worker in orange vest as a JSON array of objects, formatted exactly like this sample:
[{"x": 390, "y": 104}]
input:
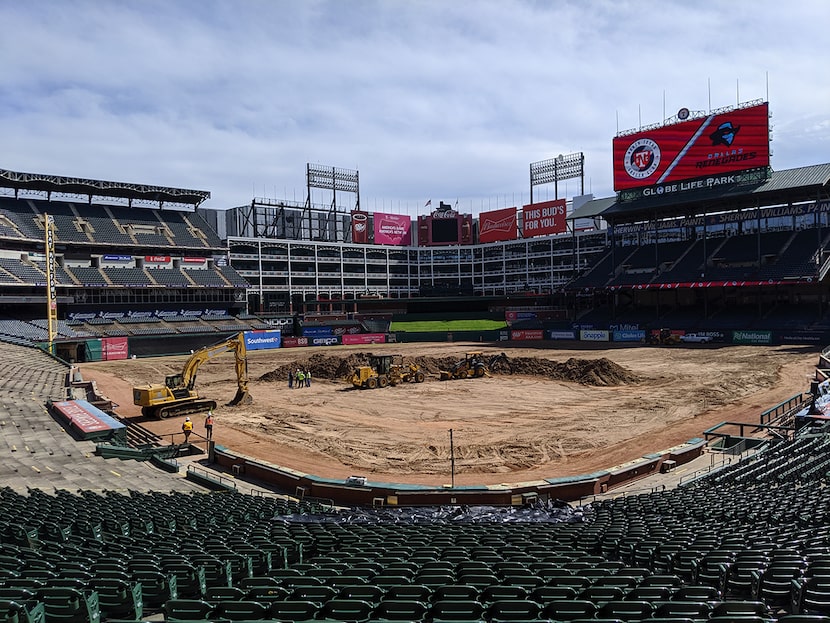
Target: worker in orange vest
[{"x": 209, "y": 425}]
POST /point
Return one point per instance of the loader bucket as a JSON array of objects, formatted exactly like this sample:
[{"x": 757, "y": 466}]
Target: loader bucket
[{"x": 242, "y": 398}]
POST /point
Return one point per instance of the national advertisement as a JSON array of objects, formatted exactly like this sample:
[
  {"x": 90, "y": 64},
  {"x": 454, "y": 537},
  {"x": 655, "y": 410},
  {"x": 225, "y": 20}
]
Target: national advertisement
[
  {"x": 712, "y": 145},
  {"x": 752, "y": 337},
  {"x": 497, "y": 225},
  {"x": 263, "y": 340}
]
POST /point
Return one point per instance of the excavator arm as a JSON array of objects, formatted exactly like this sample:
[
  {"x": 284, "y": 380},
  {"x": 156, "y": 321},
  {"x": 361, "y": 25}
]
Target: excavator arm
[{"x": 235, "y": 344}]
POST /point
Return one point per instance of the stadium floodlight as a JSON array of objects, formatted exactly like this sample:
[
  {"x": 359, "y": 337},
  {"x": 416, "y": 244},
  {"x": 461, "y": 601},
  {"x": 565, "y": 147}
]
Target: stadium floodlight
[
  {"x": 563, "y": 167},
  {"x": 332, "y": 178}
]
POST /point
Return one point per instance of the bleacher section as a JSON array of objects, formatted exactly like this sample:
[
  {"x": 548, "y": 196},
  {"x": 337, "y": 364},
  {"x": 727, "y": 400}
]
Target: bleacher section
[{"x": 747, "y": 543}]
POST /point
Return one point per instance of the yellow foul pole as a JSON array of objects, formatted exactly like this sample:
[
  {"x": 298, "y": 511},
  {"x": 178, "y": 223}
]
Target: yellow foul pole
[{"x": 51, "y": 291}]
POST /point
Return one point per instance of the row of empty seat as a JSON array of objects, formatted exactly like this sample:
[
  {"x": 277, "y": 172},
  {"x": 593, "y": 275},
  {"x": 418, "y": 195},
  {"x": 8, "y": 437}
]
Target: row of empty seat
[{"x": 105, "y": 224}]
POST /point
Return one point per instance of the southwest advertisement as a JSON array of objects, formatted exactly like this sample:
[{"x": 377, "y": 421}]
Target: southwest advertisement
[
  {"x": 711, "y": 146},
  {"x": 392, "y": 229},
  {"x": 497, "y": 225},
  {"x": 262, "y": 340},
  {"x": 544, "y": 218}
]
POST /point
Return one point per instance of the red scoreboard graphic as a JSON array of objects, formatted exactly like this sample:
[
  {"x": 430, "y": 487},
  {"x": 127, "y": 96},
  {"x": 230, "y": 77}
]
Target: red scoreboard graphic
[{"x": 707, "y": 146}]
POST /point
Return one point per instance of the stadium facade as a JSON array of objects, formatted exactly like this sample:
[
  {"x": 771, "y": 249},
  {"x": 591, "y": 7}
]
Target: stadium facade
[{"x": 702, "y": 235}]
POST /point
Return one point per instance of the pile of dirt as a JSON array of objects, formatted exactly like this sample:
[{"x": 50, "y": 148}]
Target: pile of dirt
[
  {"x": 599, "y": 372},
  {"x": 603, "y": 372}
]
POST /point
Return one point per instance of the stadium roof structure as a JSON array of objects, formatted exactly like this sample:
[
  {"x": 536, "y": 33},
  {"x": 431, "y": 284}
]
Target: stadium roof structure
[
  {"x": 592, "y": 208},
  {"x": 802, "y": 184},
  {"x": 49, "y": 184}
]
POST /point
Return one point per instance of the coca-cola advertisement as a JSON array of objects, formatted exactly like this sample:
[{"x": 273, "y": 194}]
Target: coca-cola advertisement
[{"x": 497, "y": 225}]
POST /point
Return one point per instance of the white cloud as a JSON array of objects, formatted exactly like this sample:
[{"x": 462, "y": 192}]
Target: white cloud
[{"x": 426, "y": 99}]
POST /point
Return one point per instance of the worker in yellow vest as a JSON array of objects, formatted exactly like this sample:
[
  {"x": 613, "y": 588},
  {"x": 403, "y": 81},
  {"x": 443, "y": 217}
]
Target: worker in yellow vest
[{"x": 187, "y": 428}]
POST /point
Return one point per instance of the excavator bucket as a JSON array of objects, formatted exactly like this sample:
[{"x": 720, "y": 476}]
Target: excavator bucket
[{"x": 242, "y": 398}]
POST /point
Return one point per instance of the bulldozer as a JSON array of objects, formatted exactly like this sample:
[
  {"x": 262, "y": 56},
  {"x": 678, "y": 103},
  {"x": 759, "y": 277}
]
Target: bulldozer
[
  {"x": 178, "y": 396},
  {"x": 663, "y": 337},
  {"x": 476, "y": 365},
  {"x": 386, "y": 370}
]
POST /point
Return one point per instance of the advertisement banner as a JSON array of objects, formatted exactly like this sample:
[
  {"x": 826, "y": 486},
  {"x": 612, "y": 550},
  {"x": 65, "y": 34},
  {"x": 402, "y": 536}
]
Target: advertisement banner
[
  {"x": 544, "y": 218},
  {"x": 392, "y": 229},
  {"x": 294, "y": 342},
  {"x": 629, "y": 336},
  {"x": 316, "y": 331},
  {"x": 157, "y": 259},
  {"x": 561, "y": 335},
  {"x": 497, "y": 225},
  {"x": 331, "y": 340},
  {"x": 752, "y": 337},
  {"x": 712, "y": 145},
  {"x": 113, "y": 348},
  {"x": 365, "y": 338},
  {"x": 594, "y": 335},
  {"x": 117, "y": 258},
  {"x": 360, "y": 227},
  {"x": 526, "y": 334},
  {"x": 263, "y": 340},
  {"x": 194, "y": 260}
]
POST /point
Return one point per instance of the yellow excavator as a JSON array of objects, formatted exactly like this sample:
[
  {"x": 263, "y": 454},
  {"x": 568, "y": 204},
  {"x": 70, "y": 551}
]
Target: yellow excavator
[{"x": 177, "y": 396}]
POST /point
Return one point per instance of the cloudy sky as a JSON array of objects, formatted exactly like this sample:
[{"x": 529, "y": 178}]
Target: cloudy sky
[{"x": 442, "y": 100}]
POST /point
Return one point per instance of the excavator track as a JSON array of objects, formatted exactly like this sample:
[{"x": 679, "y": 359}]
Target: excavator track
[{"x": 198, "y": 406}]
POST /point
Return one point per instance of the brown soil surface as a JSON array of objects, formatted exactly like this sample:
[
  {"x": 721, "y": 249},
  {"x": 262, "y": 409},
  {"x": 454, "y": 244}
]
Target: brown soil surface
[{"x": 561, "y": 412}]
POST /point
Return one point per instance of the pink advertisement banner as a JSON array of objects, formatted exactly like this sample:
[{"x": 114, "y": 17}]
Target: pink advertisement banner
[
  {"x": 392, "y": 229},
  {"x": 113, "y": 348},
  {"x": 526, "y": 334},
  {"x": 364, "y": 338}
]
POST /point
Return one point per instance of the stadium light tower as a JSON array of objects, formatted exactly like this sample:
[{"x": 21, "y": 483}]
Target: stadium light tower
[
  {"x": 333, "y": 179},
  {"x": 557, "y": 169}
]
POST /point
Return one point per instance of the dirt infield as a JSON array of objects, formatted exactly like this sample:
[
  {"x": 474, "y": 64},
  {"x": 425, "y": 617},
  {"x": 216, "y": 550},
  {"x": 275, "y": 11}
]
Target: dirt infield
[{"x": 561, "y": 412}]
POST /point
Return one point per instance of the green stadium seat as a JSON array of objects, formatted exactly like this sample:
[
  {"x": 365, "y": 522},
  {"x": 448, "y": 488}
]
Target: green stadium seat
[
  {"x": 118, "y": 599},
  {"x": 294, "y": 610},
  {"x": 346, "y": 610},
  {"x": 69, "y": 605},
  {"x": 242, "y": 610},
  {"x": 401, "y": 610},
  {"x": 456, "y": 610},
  {"x": 513, "y": 610},
  {"x": 187, "y": 610}
]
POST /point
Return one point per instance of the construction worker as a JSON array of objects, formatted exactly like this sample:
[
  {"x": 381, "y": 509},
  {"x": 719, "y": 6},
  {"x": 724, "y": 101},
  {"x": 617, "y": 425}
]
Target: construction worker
[
  {"x": 300, "y": 378},
  {"x": 187, "y": 428},
  {"x": 209, "y": 425}
]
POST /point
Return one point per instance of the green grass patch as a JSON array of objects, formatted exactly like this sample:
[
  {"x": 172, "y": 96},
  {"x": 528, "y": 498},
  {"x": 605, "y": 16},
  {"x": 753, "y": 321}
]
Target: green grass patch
[{"x": 438, "y": 326}]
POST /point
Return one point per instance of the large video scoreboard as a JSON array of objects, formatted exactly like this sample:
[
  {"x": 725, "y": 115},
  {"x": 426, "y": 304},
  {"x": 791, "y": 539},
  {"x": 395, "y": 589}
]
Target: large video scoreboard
[{"x": 707, "y": 146}]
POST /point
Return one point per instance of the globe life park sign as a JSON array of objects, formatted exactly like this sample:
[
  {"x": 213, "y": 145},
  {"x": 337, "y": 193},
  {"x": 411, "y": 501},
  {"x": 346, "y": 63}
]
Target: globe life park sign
[{"x": 722, "y": 182}]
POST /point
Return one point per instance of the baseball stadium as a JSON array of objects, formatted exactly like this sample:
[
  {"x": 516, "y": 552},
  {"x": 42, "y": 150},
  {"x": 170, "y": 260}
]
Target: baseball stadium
[{"x": 607, "y": 409}]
